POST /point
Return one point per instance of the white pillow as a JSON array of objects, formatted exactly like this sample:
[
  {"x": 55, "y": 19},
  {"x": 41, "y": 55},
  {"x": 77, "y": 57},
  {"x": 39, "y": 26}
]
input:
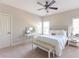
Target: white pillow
[{"x": 58, "y": 32}]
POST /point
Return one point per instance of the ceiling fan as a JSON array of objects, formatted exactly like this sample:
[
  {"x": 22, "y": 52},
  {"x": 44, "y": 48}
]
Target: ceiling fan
[{"x": 47, "y": 5}]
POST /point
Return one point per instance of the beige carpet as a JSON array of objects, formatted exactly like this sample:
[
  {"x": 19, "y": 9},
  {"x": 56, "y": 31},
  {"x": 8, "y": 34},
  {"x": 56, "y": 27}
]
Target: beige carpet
[{"x": 25, "y": 51}]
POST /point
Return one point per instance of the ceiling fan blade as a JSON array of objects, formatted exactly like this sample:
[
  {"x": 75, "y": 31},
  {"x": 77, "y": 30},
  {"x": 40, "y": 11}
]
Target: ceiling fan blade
[
  {"x": 52, "y": 2},
  {"x": 40, "y": 4},
  {"x": 55, "y": 8},
  {"x": 41, "y": 9}
]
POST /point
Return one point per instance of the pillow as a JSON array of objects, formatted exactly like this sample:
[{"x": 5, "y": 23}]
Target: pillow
[
  {"x": 53, "y": 33},
  {"x": 58, "y": 32}
]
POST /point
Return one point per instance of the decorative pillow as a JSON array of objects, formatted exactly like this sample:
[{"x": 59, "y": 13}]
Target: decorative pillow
[
  {"x": 58, "y": 32},
  {"x": 53, "y": 33}
]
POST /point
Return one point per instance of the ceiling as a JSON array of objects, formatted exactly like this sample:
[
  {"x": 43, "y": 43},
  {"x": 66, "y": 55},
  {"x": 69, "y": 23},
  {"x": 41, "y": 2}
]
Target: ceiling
[{"x": 32, "y": 6}]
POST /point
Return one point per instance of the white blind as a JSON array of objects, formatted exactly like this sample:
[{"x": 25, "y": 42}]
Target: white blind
[
  {"x": 39, "y": 28},
  {"x": 75, "y": 26},
  {"x": 46, "y": 26},
  {"x": 43, "y": 28}
]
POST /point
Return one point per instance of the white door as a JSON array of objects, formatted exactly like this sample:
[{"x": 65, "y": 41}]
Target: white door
[{"x": 5, "y": 30}]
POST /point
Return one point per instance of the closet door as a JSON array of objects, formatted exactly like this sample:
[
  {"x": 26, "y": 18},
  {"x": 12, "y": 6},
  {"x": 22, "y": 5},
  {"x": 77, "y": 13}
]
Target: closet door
[{"x": 5, "y": 30}]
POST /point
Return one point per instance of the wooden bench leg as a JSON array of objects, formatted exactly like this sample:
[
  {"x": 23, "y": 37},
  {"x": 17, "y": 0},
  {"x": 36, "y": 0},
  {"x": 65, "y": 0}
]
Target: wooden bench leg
[
  {"x": 32, "y": 46},
  {"x": 53, "y": 54},
  {"x": 48, "y": 54}
]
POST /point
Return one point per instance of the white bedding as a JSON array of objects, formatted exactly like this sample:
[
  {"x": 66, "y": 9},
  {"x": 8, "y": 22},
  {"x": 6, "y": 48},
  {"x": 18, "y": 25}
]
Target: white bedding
[{"x": 60, "y": 39}]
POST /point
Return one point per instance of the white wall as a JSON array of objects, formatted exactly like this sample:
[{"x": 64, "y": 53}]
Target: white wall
[
  {"x": 62, "y": 20},
  {"x": 20, "y": 19}
]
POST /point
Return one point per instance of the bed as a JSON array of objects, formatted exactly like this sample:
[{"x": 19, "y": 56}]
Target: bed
[{"x": 57, "y": 42}]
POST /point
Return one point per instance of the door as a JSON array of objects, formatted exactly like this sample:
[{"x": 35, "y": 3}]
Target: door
[{"x": 5, "y": 30}]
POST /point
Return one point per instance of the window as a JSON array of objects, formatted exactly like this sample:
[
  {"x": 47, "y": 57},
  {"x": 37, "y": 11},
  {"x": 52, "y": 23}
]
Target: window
[
  {"x": 75, "y": 26},
  {"x": 43, "y": 27},
  {"x": 39, "y": 28},
  {"x": 46, "y": 27}
]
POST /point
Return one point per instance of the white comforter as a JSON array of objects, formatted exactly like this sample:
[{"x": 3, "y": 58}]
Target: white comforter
[{"x": 60, "y": 39}]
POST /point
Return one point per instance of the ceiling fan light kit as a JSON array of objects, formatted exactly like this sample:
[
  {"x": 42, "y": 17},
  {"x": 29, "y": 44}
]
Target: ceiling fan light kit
[{"x": 47, "y": 5}]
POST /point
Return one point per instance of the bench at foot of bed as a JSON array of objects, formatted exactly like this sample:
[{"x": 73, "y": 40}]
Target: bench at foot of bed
[{"x": 45, "y": 47}]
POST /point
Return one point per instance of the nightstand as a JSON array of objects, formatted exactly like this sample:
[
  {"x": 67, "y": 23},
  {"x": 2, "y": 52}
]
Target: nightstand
[{"x": 74, "y": 42}]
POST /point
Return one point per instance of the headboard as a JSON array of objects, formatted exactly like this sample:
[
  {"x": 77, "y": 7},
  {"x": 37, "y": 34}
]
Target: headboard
[{"x": 62, "y": 29}]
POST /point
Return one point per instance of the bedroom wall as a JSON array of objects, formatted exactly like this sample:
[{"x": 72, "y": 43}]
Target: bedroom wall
[
  {"x": 62, "y": 20},
  {"x": 20, "y": 20}
]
